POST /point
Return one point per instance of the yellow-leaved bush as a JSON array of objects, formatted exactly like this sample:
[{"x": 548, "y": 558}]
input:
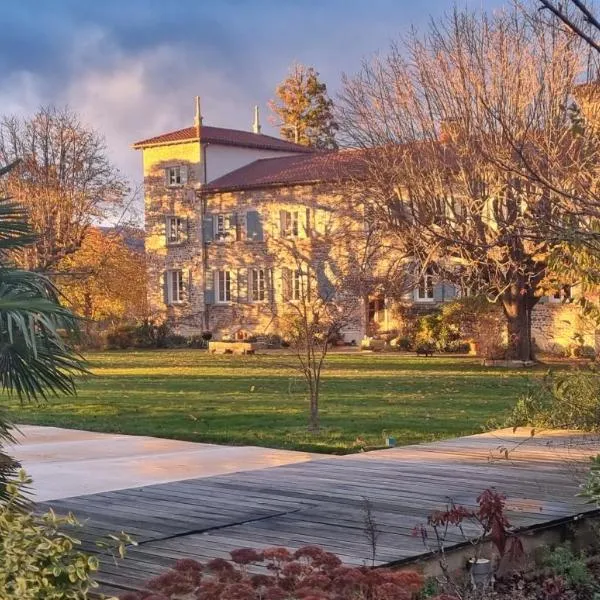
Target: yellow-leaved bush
[{"x": 40, "y": 558}]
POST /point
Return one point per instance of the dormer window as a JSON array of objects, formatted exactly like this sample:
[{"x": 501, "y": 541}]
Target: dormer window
[{"x": 174, "y": 176}]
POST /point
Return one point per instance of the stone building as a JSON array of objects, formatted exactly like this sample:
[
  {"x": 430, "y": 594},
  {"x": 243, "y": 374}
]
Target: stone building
[{"x": 238, "y": 223}]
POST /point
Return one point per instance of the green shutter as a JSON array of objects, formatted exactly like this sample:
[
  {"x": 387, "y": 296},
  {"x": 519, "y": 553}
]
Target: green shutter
[
  {"x": 208, "y": 228},
  {"x": 165, "y": 287},
  {"x": 449, "y": 291},
  {"x": 438, "y": 292},
  {"x": 326, "y": 289},
  {"x": 209, "y": 287}
]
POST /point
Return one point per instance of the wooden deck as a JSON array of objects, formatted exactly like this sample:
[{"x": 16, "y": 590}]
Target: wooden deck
[{"x": 321, "y": 502}]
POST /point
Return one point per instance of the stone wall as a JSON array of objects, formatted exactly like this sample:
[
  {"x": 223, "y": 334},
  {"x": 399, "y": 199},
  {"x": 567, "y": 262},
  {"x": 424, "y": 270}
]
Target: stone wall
[
  {"x": 556, "y": 327},
  {"x": 162, "y": 200}
]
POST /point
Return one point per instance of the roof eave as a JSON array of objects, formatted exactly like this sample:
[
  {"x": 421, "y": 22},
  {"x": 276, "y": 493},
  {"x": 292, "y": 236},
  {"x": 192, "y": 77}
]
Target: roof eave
[
  {"x": 142, "y": 145},
  {"x": 258, "y": 186}
]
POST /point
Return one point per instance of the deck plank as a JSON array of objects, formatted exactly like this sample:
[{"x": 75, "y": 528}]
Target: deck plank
[{"x": 322, "y": 502}]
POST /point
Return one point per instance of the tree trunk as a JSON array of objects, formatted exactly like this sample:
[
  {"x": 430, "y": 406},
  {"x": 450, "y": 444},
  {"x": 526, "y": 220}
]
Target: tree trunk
[
  {"x": 313, "y": 420},
  {"x": 517, "y": 303}
]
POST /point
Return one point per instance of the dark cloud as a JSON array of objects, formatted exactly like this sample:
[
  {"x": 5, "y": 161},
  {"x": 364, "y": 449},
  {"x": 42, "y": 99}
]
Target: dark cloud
[{"x": 132, "y": 67}]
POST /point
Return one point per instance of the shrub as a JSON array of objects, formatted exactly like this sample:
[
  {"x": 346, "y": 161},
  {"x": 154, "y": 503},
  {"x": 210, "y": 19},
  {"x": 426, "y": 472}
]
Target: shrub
[
  {"x": 567, "y": 400},
  {"x": 404, "y": 344},
  {"x": 457, "y": 346},
  {"x": 39, "y": 554},
  {"x": 570, "y": 567},
  {"x": 147, "y": 334},
  {"x": 425, "y": 348},
  {"x": 174, "y": 340},
  {"x": 207, "y": 335},
  {"x": 475, "y": 318},
  {"x": 584, "y": 352},
  {"x": 121, "y": 338},
  {"x": 310, "y": 572},
  {"x": 198, "y": 342}
]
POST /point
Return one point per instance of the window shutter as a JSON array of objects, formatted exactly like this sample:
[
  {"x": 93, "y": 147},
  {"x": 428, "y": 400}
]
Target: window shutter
[
  {"x": 187, "y": 229},
  {"x": 254, "y": 228},
  {"x": 167, "y": 230},
  {"x": 166, "y": 172},
  {"x": 243, "y": 285},
  {"x": 286, "y": 282},
  {"x": 165, "y": 287},
  {"x": 183, "y": 173},
  {"x": 209, "y": 287},
  {"x": 234, "y": 226},
  {"x": 438, "y": 292},
  {"x": 325, "y": 287},
  {"x": 186, "y": 278},
  {"x": 449, "y": 291},
  {"x": 282, "y": 223},
  {"x": 306, "y": 224},
  {"x": 208, "y": 228}
]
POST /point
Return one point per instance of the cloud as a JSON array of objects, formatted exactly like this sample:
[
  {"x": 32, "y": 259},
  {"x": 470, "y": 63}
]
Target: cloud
[
  {"x": 131, "y": 69},
  {"x": 136, "y": 95}
]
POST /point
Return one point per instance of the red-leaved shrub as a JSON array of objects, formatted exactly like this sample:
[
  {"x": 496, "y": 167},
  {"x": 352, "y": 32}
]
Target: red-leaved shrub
[{"x": 310, "y": 573}]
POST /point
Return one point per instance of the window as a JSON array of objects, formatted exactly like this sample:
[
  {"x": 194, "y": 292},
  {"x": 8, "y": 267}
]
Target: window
[
  {"x": 174, "y": 176},
  {"x": 175, "y": 230},
  {"x": 225, "y": 227},
  {"x": 562, "y": 295},
  {"x": 289, "y": 223},
  {"x": 223, "y": 286},
  {"x": 258, "y": 285},
  {"x": 296, "y": 291},
  {"x": 174, "y": 286},
  {"x": 377, "y": 310},
  {"x": 424, "y": 291}
]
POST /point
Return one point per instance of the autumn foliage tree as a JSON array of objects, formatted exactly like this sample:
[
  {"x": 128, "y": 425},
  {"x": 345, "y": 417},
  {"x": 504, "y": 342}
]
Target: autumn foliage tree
[
  {"x": 473, "y": 155},
  {"x": 64, "y": 180},
  {"x": 104, "y": 281},
  {"x": 303, "y": 110}
]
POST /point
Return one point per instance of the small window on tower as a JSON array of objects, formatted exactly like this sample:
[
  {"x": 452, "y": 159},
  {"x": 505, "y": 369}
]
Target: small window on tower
[
  {"x": 174, "y": 176},
  {"x": 175, "y": 230}
]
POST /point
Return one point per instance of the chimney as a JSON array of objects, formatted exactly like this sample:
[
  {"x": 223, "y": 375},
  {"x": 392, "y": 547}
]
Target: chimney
[
  {"x": 256, "y": 123},
  {"x": 198, "y": 116}
]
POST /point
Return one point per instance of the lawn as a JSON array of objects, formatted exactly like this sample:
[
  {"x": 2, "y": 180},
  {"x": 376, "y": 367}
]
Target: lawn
[{"x": 260, "y": 400}]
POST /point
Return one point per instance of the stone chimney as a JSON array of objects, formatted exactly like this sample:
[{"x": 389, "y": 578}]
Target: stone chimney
[
  {"x": 256, "y": 124},
  {"x": 198, "y": 115}
]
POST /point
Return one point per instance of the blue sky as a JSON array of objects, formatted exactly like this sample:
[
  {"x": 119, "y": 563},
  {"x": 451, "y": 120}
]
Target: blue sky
[{"x": 131, "y": 68}]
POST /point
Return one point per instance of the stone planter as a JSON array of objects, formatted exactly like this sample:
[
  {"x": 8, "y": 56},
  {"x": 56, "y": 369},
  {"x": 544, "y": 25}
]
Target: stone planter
[
  {"x": 481, "y": 572},
  {"x": 232, "y": 347}
]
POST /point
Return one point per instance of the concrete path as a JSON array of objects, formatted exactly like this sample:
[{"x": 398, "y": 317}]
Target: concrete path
[{"x": 69, "y": 462}]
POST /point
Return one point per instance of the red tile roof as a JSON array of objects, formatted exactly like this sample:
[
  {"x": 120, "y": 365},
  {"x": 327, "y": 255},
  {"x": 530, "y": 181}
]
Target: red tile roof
[
  {"x": 225, "y": 137},
  {"x": 290, "y": 170}
]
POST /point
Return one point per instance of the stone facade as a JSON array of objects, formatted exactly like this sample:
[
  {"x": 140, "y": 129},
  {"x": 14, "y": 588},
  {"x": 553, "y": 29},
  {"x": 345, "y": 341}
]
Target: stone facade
[{"x": 200, "y": 241}]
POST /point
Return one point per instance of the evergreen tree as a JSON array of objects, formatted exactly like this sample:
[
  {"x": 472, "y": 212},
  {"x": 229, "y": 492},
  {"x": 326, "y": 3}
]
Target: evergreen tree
[{"x": 303, "y": 111}]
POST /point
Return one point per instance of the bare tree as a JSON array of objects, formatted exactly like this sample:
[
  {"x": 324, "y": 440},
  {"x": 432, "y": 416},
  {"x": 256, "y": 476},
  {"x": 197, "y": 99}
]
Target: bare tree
[
  {"x": 579, "y": 18},
  {"x": 473, "y": 154},
  {"x": 64, "y": 180},
  {"x": 329, "y": 272}
]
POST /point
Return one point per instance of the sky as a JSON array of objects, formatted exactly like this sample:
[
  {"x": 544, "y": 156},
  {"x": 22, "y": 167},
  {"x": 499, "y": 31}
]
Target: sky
[{"x": 131, "y": 68}]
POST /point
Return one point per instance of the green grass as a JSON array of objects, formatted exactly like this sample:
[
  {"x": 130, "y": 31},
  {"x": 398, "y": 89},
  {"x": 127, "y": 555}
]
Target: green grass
[{"x": 259, "y": 400}]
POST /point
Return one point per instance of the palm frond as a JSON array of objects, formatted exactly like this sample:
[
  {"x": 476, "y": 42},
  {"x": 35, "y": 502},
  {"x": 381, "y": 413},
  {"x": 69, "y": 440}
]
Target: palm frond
[{"x": 15, "y": 232}]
